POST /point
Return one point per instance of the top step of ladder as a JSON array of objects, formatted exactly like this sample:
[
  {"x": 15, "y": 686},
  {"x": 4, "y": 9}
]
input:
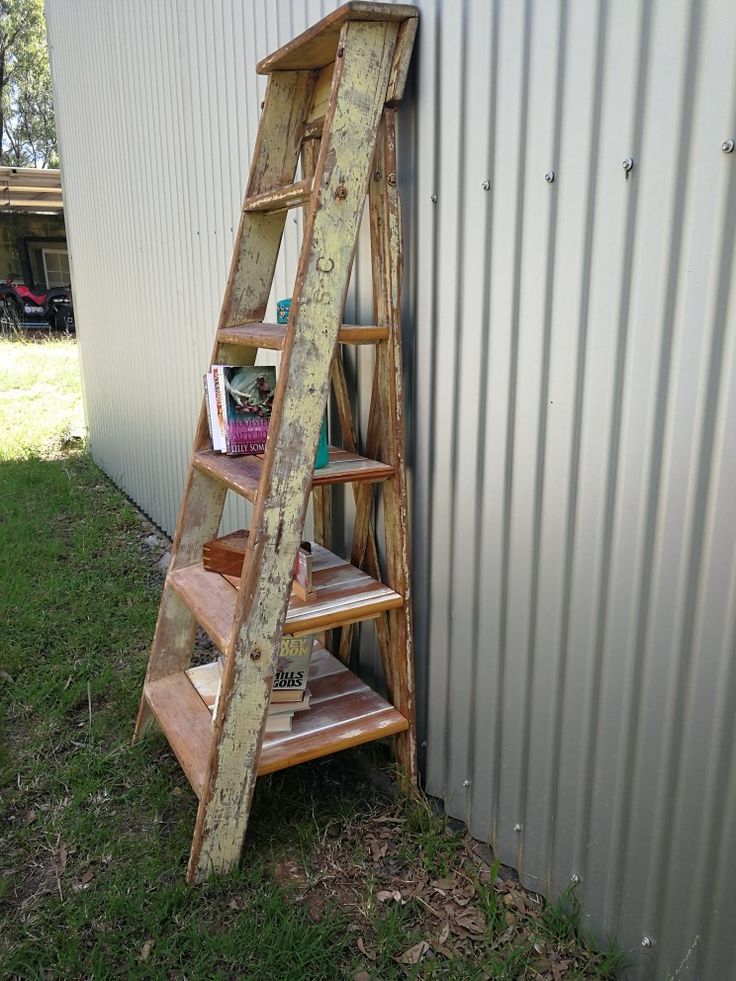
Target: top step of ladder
[{"x": 317, "y": 47}]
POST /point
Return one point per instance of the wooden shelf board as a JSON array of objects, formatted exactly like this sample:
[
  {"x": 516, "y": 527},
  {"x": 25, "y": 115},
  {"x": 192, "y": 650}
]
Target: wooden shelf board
[
  {"x": 343, "y": 712},
  {"x": 273, "y": 336},
  {"x": 243, "y": 473},
  {"x": 317, "y": 46},
  {"x": 281, "y": 198},
  {"x": 186, "y": 722},
  {"x": 344, "y": 595}
]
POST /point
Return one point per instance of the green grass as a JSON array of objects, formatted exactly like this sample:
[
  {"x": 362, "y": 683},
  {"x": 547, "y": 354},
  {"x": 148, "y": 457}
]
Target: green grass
[{"x": 95, "y": 833}]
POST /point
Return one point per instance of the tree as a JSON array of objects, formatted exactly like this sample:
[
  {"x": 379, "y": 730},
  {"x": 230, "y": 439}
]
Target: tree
[{"x": 27, "y": 132}]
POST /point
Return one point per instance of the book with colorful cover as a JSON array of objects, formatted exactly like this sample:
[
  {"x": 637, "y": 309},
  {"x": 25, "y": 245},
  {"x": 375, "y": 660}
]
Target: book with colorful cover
[{"x": 246, "y": 393}]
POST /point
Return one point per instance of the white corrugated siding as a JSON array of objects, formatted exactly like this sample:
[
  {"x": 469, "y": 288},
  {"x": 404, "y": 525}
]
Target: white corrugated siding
[{"x": 571, "y": 350}]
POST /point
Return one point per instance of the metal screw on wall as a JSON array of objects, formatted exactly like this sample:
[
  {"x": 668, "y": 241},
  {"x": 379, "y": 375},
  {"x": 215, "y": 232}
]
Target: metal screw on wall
[
  {"x": 647, "y": 942},
  {"x": 628, "y": 165},
  {"x": 549, "y": 176},
  {"x": 727, "y": 146},
  {"x": 433, "y": 198},
  {"x": 466, "y": 783},
  {"x": 517, "y": 827},
  {"x": 575, "y": 879},
  {"x": 486, "y": 185}
]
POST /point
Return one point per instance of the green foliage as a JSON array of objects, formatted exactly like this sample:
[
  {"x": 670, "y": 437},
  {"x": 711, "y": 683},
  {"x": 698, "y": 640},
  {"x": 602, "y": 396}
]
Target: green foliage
[{"x": 27, "y": 132}]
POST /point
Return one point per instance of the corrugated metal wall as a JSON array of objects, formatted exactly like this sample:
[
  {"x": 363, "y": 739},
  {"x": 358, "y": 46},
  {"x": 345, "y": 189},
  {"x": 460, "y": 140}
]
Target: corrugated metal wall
[{"x": 571, "y": 346}]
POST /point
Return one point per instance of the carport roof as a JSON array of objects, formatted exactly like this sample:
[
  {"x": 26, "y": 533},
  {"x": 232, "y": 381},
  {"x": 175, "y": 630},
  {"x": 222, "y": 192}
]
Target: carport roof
[{"x": 30, "y": 189}]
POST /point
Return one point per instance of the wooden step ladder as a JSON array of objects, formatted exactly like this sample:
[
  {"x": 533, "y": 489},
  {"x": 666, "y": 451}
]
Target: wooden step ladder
[{"x": 329, "y": 103}]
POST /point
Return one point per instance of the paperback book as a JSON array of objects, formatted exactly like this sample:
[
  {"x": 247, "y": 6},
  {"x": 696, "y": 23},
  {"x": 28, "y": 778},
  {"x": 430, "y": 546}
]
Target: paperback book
[
  {"x": 239, "y": 404},
  {"x": 292, "y": 669}
]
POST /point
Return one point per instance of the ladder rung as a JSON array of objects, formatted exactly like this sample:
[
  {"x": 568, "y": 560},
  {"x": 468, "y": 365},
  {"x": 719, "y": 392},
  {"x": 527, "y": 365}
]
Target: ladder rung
[
  {"x": 242, "y": 474},
  {"x": 314, "y": 128},
  {"x": 281, "y": 198},
  {"x": 273, "y": 336},
  {"x": 186, "y": 722},
  {"x": 344, "y": 595}
]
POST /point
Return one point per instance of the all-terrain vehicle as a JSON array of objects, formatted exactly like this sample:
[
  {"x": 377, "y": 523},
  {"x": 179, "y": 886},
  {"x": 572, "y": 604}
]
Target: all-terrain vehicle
[{"x": 21, "y": 307}]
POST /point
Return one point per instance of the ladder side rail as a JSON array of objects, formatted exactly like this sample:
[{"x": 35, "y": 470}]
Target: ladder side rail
[
  {"x": 275, "y": 159},
  {"x": 386, "y": 236},
  {"x": 356, "y": 103},
  {"x": 288, "y": 96}
]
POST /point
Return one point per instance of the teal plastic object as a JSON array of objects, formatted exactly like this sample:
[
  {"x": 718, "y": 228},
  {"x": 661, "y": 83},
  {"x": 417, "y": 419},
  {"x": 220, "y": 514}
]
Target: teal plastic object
[
  {"x": 323, "y": 449},
  {"x": 283, "y": 309}
]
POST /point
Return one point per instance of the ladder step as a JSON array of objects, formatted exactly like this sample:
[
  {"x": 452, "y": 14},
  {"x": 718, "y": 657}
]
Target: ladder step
[
  {"x": 281, "y": 198},
  {"x": 242, "y": 474},
  {"x": 317, "y": 46},
  {"x": 179, "y": 711},
  {"x": 344, "y": 595},
  {"x": 343, "y": 712},
  {"x": 273, "y": 336}
]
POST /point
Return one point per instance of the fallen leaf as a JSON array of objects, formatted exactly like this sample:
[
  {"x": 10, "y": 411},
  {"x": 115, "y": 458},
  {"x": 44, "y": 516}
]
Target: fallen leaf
[
  {"x": 445, "y": 951},
  {"x": 60, "y": 858},
  {"x": 146, "y": 950},
  {"x": 463, "y": 895},
  {"x": 510, "y": 918},
  {"x": 414, "y": 954},
  {"x": 378, "y": 849},
  {"x": 385, "y": 895},
  {"x": 444, "y": 933},
  {"x": 442, "y": 885},
  {"x": 472, "y": 920},
  {"x": 237, "y": 904},
  {"x": 30, "y": 816},
  {"x": 361, "y": 976},
  {"x": 87, "y": 877},
  {"x": 371, "y": 955},
  {"x": 4, "y": 676}
]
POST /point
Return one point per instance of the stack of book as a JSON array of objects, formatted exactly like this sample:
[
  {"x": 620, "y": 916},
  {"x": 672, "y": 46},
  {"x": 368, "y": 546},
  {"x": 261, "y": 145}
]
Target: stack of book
[
  {"x": 290, "y": 691},
  {"x": 239, "y": 400}
]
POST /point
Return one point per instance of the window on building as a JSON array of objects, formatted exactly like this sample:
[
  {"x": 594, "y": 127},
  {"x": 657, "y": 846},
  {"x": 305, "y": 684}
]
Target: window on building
[{"x": 56, "y": 267}]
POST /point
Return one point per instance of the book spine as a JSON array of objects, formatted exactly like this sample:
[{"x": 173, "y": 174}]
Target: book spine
[
  {"x": 218, "y": 376},
  {"x": 211, "y": 418},
  {"x": 214, "y": 423}
]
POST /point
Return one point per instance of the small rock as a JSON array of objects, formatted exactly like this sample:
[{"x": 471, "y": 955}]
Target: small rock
[
  {"x": 151, "y": 541},
  {"x": 164, "y": 562}
]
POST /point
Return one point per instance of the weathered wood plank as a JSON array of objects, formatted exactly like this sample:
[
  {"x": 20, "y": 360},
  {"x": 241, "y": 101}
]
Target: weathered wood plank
[
  {"x": 186, "y": 722},
  {"x": 272, "y": 337},
  {"x": 320, "y": 99},
  {"x": 386, "y": 239},
  {"x": 246, "y": 295},
  {"x": 173, "y": 638},
  {"x": 344, "y": 712},
  {"x": 317, "y": 45},
  {"x": 402, "y": 60},
  {"x": 344, "y": 594},
  {"x": 274, "y": 165},
  {"x": 343, "y": 167},
  {"x": 242, "y": 474},
  {"x": 280, "y": 198}
]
